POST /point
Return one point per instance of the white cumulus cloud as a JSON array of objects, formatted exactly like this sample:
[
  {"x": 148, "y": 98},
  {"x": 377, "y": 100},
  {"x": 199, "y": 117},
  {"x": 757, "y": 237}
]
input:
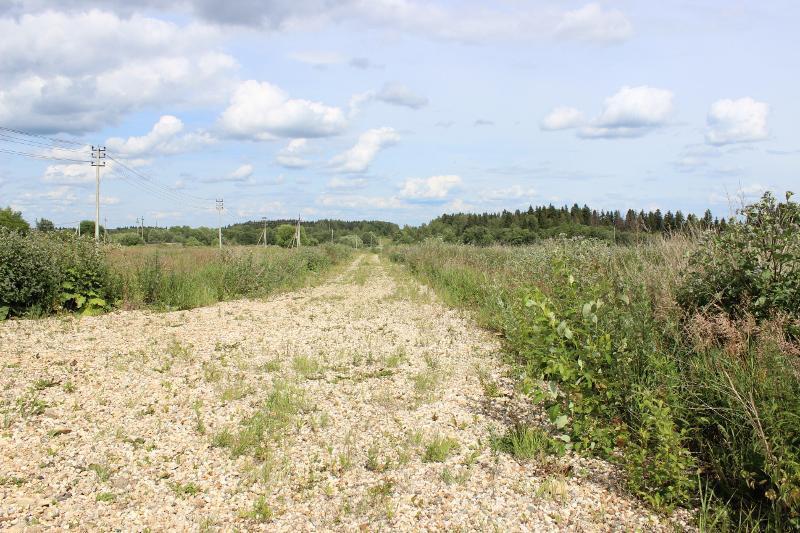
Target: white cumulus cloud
[
  {"x": 631, "y": 112},
  {"x": 359, "y": 157},
  {"x": 737, "y": 121},
  {"x": 591, "y": 23},
  {"x": 562, "y": 118},
  {"x": 163, "y": 138},
  {"x": 262, "y": 111},
  {"x": 432, "y": 188},
  {"x": 292, "y": 155}
]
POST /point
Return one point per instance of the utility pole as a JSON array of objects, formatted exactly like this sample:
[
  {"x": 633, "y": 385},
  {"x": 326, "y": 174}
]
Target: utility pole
[
  {"x": 220, "y": 207},
  {"x": 297, "y": 231},
  {"x": 98, "y": 154},
  {"x": 265, "y": 230},
  {"x": 142, "y": 222}
]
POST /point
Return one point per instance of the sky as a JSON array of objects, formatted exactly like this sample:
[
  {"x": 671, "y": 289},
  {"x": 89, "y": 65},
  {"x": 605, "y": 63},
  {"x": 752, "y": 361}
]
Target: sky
[{"x": 396, "y": 110}]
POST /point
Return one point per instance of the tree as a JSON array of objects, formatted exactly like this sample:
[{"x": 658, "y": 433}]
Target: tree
[
  {"x": 87, "y": 228},
  {"x": 284, "y": 235},
  {"x": 13, "y": 220},
  {"x": 44, "y": 225}
]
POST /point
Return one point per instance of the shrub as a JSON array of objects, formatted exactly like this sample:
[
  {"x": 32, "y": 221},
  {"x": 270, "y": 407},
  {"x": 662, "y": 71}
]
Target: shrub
[
  {"x": 41, "y": 273},
  {"x": 29, "y": 278},
  {"x": 752, "y": 267}
]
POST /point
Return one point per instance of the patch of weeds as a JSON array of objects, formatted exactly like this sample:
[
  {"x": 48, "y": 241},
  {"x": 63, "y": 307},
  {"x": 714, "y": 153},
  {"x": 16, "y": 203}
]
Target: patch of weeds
[
  {"x": 11, "y": 480},
  {"x": 450, "y": 478},
  {"x": 199, "y": 426},
  {"x": 69, "y": 387},
  {"x": 439, "y": 449},
  {"x": 432, "y": 361},
  {"x": 261, "y": 511},
  {"x": 211, "y": 372},
  {"x": 185, "y": 489},
  {"x": 374, "y": 463},
  {"x": 31, "y": 405},
  {"x": 306, "y": 367},
  {"x": 44, "y": 383},
  {"x": 237, "y": 391},
  {"x": 106, "y": 497},
  {"x": 223, "y": 439},
  {"x": 273, "y": 365},
  {"x": 178, "y": 350},
  {"x": 553, "y": 488},
  {"x": 269, "y": 424},
  {"x": 425, "y": 382},
  {"x": 526, "y": 442},
  {"x": 491, "y": 389},
  {"x": 397, "y": 357},
  {"x": 103, "y": 471}
]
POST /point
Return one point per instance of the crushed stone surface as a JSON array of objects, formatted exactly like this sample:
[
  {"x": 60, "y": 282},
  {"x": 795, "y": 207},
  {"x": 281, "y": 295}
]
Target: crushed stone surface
[{"x": 124, "y": 421}]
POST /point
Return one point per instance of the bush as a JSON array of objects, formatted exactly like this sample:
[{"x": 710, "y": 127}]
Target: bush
[
  {"x": 752, "y": 267},
  {"x": 29, "y": 278},
  {"x": 41, "y": 273}
]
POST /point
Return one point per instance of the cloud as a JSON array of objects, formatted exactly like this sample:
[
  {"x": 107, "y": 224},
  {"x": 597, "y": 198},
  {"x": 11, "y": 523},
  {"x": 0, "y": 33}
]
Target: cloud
[
  {"x": 631, "y": 112},
  {"x": 360, "y": 202},
  {"x": 163, "y": 138},
  {"x": 444, "y": 124},
  {"x": 262, "y": 111},
  {"x": 514, "y": 192},
  {"x": 291, "y": 156},
  {"x": 483, "y": 122},
  {"x": 347, "y": 183},
  {"x": 242, "y": 174},
  {"x": 737, "y": 121},
  {"x": 398, "y": 94},
  {"x": 562, "y": 118},
  {"x": 358, "y": 158},
  {"x": 432, "y": 188},
  {"x": 592, "y": 24},
  {"x": 54, "y": 78}
]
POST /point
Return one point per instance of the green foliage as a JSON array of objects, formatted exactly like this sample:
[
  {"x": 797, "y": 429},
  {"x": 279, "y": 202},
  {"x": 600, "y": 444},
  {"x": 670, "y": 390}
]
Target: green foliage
[
  {"x": 753, "y": 267},
  {"x": 13, "y": 221},
  {"x": 30, "y": 278},
  {"x": 45, "y": 225},
  {"x": 439, "y": 449},
  {"x": 129, "y": 239},
  {"x": 632, "y": 376}
]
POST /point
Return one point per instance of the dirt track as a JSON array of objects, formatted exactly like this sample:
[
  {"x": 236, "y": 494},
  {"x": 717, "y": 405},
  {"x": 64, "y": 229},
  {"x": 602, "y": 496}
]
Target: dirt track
[{"x": 120, "y": 421}]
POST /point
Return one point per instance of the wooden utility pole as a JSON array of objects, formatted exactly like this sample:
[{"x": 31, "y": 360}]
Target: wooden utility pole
[
  {"x": 220, "y": 207},
  {"x": 265, "y": 230},
  {"x": 98, "y": 154}
]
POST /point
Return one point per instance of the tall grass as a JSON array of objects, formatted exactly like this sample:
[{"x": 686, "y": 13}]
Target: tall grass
[
  {"x": 183, "y": 278},
  {"x": 682, "y": 400}
]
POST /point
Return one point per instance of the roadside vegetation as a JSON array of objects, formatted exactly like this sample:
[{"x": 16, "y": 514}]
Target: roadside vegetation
[
  {"x": 678, "y": 358},
  {"x": 46, "y": 272}
]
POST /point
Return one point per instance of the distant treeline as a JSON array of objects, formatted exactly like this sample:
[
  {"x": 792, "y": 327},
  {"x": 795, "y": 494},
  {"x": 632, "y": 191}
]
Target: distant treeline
[
  {"x": 279, "y": 232},
  {"x": 521, "y": 227}
]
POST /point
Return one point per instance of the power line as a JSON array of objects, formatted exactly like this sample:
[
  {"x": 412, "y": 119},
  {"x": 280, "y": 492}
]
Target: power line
[
  {"x": 155, "y": 183},
  {"x": 43, "y": 156},
  {"x": 51, "y": 139},
  {"x": 33, "y": 142}
]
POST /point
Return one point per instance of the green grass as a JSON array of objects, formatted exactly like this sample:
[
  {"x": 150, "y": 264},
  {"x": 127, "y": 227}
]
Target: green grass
[
  {"x": 185, "y": 489},
  {"x": 307, "y": 367},
  {"x": 105, "y": 497},
  {"x": 103, "y": 471},
  {"x": 439, "y": 449},
  {"x": 525, "y": 442}
]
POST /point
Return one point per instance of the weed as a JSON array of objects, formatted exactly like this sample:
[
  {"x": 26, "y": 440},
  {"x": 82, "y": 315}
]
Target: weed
[
  {"x": 103, "y": 471},
  {"x": 44, "y": 383},
  {"x": 69, "y": 387},
  {"x": 439, "y": 449},
  {"x": 397, "y": 357},
  {"x": 185, "y": 489},
  {"x": 306, "y": 367},
  {"x": 261, "y": 511},
  {"x": 31, "y": 405},
  {"x": 525, "y": 442},
  {"x": 237, "y": 391},
  {"x": 553, "y": 488},
  {"x": 106, "y": 497}
]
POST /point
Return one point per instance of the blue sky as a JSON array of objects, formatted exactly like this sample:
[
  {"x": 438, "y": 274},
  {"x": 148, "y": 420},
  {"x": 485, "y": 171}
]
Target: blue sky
[{"x": 396, "y": 109}]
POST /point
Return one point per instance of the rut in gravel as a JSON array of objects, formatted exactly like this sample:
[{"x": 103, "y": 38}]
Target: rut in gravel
[{"x": 361, "y": 403}]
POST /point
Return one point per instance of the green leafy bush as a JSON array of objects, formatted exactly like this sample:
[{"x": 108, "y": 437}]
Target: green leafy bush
[
  {"x": 29, "y": 278},
  {"x": 752, "y": 267},
  {"x": 41, "y": 273}
]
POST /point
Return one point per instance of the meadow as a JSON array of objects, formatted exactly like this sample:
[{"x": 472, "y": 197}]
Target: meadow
[{"x": 677, "y": 359}]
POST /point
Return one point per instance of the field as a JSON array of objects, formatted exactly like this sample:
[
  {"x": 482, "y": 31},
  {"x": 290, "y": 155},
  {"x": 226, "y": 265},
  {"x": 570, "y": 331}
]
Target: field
[{"x": 571, "y": 384}]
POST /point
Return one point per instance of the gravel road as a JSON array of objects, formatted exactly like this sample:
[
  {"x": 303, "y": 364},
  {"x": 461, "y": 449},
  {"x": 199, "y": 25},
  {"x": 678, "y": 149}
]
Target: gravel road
[{"x": 359, "y": 404}]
